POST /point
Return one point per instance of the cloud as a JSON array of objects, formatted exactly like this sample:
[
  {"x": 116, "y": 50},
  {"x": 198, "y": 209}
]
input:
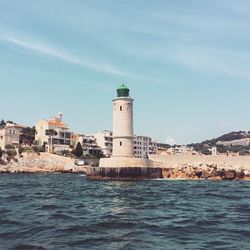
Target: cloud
[
  {"x": 62, "y": 55},
  {"x": 231, "y": 63},
  {"x": 170, "y": 140},
  {"x": 50, "y": 51}
]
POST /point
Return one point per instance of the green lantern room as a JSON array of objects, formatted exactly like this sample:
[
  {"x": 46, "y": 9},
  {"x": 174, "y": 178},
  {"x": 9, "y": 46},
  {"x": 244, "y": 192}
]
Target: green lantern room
[{"x": 122, "y": 91}]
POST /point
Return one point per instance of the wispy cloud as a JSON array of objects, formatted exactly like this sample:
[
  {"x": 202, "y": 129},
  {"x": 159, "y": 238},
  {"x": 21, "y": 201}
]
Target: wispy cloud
[
  {"x": 59, "y": 54},
  {"x": 50, "y": 51},
  {"x": 209, "y": 61}
]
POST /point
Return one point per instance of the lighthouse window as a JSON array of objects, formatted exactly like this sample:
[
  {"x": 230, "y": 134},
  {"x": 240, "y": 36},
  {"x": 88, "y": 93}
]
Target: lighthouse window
[
  {"x": 120, "y": 108},
  {"x": 120, "y": 143}
]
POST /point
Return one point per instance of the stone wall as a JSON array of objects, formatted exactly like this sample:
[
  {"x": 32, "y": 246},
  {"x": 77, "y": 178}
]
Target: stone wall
[{"x": 123, "y": 173}]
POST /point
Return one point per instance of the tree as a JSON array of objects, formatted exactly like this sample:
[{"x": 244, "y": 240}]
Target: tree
[
  {"x": 78, "y": 150},
  {"x": 1, "y": 153},
  {"x": 50, "y": 133},
  {"x": 28, "y": 135},
  {"x": 2, "y": 123}
]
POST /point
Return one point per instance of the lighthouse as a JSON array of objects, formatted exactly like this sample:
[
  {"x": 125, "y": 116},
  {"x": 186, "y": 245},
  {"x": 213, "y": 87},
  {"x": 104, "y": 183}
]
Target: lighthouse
[
  {"x": 123, "y": 136},
  {"x": 122, "y": 165}
]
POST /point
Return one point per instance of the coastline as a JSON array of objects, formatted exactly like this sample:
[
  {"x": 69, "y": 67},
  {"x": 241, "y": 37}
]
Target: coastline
[
  {"x": 203, "y": 167},
  {"x": 174, "y": 167},
  {"x": 41, "y": 163}
]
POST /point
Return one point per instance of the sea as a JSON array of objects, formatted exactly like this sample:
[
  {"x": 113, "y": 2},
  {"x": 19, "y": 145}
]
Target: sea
[{"x": 67, "y": 211}]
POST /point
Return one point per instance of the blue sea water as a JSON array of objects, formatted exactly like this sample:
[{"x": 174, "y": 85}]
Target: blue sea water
[{"x": 67, "y": 211}]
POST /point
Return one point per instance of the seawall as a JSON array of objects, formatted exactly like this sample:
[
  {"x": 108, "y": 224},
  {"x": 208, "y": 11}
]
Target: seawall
[{"x": 123, "y": 173}]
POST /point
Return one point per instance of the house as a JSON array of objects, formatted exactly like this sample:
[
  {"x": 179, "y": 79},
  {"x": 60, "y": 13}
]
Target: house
[
  {"x": 63, "y": 138},
  {"x": 10, "y": 134}
]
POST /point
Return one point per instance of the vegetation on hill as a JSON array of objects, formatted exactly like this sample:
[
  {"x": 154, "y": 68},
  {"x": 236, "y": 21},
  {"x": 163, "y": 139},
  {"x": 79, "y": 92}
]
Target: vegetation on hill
[
  {"x": 2, "y": 123},
  {"x": 205, "y": 146}
]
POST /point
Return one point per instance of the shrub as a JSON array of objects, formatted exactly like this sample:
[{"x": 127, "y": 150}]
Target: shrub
[
  {"x": 9, "y": 146},
  {"x": 11, "y": 152},
  {"x": 20, "y": 150},
  {"x": 36, "y": 149},
  {"x": 8, "y": 158},
  {"x": 65, "y": 153},
  {"x": 1, "y": 153}
]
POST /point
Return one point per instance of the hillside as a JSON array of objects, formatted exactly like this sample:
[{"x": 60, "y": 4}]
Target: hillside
[{"x": 205, "y": 146}]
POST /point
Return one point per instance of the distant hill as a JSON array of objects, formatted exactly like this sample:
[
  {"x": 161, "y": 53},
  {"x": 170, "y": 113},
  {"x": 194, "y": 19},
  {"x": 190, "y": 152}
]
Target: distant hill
[{"x": 204, "y": 146}]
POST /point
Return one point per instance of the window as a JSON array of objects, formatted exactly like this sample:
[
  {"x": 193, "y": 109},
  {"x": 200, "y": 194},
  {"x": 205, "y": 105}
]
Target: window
[
  {"x": 120, "y": 108},
  {"x": 120, "y": 143}
]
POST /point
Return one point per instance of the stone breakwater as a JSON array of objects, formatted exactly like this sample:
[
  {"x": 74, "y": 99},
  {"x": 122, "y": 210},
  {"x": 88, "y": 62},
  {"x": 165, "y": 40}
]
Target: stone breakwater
[
  {"x": 205, "y": 172},
  {"x": 204, "y": 167},
  {"x": 43, "y": 163},
  {"x": 173, "y": 166}
]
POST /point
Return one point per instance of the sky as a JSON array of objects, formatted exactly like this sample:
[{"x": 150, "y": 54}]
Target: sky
[{"x": 187, "y": 64}]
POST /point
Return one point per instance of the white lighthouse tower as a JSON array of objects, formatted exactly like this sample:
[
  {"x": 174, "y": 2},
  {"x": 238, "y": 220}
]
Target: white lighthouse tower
[{"x": 123, "y": 135}]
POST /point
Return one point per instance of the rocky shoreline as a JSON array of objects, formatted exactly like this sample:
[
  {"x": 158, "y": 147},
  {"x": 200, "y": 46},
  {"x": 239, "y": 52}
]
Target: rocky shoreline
[
  {"x": 205, "y": 173},
  {"x": 204, "y": 167},
  {"x": 42, "y": 163},
  {"x": 172, "y": 168}
]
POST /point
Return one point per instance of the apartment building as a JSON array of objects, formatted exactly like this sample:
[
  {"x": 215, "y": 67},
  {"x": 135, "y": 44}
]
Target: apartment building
[
  {"x": 104, "y": 140},
  {"x": 144, "y": 146},
  {"x": 59, "y": 142},
  {"x": 10, "y": 134},
  {"x": 89, "y": 145}
]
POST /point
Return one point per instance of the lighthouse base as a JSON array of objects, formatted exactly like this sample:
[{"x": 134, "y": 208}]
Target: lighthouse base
[
  {"x": 123, "y": 173},
  {"x": 117, "y": 162},
  {"x": 124, "y": 168}
]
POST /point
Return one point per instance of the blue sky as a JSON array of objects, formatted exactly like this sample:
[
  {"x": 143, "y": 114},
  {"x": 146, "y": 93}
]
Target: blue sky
[{"x": 187, "y": 64}]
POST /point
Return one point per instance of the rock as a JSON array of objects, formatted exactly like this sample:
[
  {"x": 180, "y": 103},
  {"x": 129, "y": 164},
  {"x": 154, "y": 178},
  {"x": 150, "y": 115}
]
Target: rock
[
  {"x": 240, "y": 175},
  {"x": 217, "y": 178},
  {"x": 228, "y": 175},
  {"x": 205, "y": 174},
  {"x": 190, "y": 172},
  {"x": 167, "y": 172},
  {"x": 247, "y": 177}
]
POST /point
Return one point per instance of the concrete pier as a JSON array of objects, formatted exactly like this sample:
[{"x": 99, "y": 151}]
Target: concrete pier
[{"x": 123, "y": 173}]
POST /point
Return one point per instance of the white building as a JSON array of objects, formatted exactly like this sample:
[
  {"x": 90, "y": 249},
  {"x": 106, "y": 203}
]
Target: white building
[
  {"x": 240, "y": 142},
  {"x": 89, "y": 145},
  {"x": 143, "y": 146},
  {"x": 10, "y": 134},
  {"x": 214, "y": 150},
  {"x": 61, "y": 141},
  {"x": 104, "y": 140},
  {"x": 180, "y": 149}
]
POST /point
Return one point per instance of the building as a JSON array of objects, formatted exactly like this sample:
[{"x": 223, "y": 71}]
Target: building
[
  {"x": 104, "y": 140},
  {"x": 214, "y": 150},
  {"x": 180, "y": 149},
  {"x": 10, "y": 134},
  {"x": 89, "y": 145},
  {"x": 123, "y": 136},
  {"x": 144, "y": 146},
  {"x": 61, "y": 141},
  {"x": 240, "y": 142}
]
